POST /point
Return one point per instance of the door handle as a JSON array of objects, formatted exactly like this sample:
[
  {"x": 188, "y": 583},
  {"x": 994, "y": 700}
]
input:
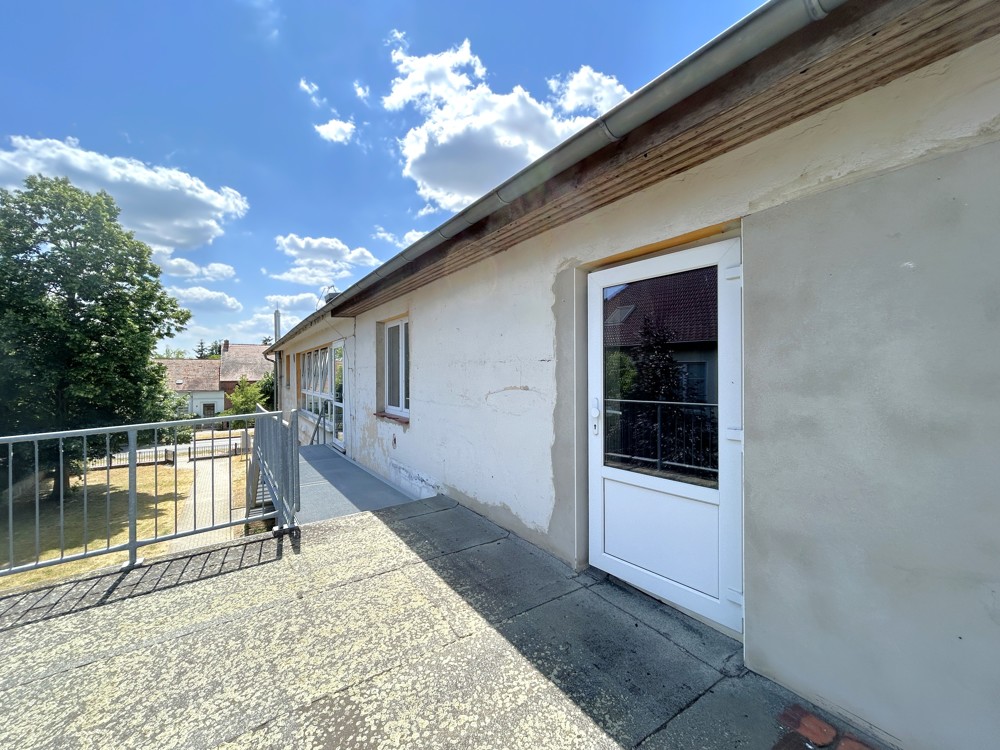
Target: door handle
[{"x": 595, "y": 414}]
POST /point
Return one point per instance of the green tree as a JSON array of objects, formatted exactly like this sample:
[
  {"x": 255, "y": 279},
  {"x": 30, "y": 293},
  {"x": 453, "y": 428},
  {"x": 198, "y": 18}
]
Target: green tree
[
  {"x": 244, "y": 399},
  {"x": 171, "y": 353},
  {"x": 266, "y": 385},
  {"x": 267, "y": 341},
  {"x": 201, "y": 351},
  {"x": 215, "y": 350},
  {"x": 81, "y": 311}
]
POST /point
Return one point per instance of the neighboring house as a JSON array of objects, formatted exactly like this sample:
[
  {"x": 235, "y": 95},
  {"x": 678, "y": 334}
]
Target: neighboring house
[
  {"x": 198, "y": 381},
  {"x": 839, "y": 179},
  {"x": 242, "y": 360},
  {"x": 207, "y": 383}
]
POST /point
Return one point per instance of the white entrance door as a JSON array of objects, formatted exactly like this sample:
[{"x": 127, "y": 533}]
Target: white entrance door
[{"x": 666, "y": 455}]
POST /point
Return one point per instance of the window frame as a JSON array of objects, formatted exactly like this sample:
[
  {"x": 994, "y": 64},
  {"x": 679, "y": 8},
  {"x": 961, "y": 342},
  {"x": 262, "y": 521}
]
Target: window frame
[{"x": 403, "y": 376}]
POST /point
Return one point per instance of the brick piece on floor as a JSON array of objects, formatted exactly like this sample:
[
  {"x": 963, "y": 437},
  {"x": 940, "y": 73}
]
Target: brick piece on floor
[
  {"x": 810, "y": 726},
  {"x": 792, "y": 741},
  {"x": 850, "y": 742}
]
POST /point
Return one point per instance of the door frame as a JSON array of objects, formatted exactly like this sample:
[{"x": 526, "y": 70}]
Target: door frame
[{"x": 726, "y": 255}]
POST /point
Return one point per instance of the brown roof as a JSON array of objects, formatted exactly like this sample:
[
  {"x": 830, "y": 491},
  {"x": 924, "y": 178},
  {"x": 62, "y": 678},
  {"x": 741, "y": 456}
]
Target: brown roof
[
  {"x": 193, "y": 374},
  {"x": 244, "y": 359},
  {"x": 684, "y": 304}
]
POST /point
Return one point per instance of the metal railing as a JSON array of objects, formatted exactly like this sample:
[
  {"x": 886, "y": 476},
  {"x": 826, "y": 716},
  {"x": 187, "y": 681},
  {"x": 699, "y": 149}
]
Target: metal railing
[
  {"x": 77, "y": 494},
  {"x": 276, "y": 466},
  {"x": 672, "y": 436}
]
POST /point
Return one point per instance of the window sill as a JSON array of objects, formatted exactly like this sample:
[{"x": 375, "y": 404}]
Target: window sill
[{"x": 392, "y": 417}]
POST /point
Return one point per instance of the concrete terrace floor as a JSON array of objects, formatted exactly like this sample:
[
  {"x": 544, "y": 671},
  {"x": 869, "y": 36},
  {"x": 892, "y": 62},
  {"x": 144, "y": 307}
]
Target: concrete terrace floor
[{"x": 421, "y": 625}]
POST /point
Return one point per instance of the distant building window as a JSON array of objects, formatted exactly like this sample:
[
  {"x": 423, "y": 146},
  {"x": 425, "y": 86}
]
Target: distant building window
[
  {"x": 617, "y": 317},
  {"x": 694, "y": 382},
  {"x": 396, "y": 372},
  {"x": 208, "y": 410}
]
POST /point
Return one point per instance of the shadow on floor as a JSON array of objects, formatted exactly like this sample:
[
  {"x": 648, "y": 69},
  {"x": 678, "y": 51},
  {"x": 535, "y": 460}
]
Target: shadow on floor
[
  {"x": 99, "y": 588},
  {"x": 646, "y": 674}
]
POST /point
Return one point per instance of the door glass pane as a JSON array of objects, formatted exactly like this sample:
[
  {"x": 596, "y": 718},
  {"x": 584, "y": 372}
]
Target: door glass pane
[
  {"x": 338, "y": 374},
  {"x": 392, "y": 368},
  {"x": 338, "y": 423},
  {"x": 661, "y": 377}
]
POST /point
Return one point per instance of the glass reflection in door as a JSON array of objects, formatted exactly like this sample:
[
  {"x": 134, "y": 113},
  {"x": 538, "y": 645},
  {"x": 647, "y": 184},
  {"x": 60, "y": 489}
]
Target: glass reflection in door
[{"x": 660, "y": 340}]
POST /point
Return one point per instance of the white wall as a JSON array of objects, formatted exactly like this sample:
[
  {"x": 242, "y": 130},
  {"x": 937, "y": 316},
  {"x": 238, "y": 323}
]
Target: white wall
[
  {"x": 195, "y": 401},
  {"x": 872, "y": 466},
  {"x": 497, "y": 355},
  {"x": 484, "y": 340}
]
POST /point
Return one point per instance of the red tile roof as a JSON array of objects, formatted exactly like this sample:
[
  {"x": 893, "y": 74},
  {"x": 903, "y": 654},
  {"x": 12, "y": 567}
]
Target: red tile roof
[
  {"x": 683, "y": 303},
  {"x": 193, "y": 374},
  {"x": 244, "y": 359}
]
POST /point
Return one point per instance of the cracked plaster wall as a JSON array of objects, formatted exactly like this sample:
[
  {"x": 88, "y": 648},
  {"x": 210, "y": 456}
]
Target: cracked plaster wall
[{"x": 498, "y": 349}]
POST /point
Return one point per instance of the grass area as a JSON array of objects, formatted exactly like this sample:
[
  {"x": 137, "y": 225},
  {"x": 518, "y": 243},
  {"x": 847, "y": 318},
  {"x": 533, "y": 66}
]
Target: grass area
[
  {"x": 220, "y": 434},
  {"x": 106, "y": 516}
]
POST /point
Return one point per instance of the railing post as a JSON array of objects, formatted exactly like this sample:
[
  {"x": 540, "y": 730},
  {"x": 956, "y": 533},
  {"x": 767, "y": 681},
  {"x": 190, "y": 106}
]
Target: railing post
[
  {"x": 133, "y": 502},
  {"x": 294, "y": 499}
]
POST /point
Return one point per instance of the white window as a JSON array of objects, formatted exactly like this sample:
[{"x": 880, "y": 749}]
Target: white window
[
  {"x": 396, "y": 375},
  {"x": 315, "y": 392}
]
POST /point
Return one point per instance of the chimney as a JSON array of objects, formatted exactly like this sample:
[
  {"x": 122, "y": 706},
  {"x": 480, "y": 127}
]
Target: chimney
[{"x": 225, "y": 345}]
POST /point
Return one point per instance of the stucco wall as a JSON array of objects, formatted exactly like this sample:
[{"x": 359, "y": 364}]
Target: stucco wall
[
  {"x": 872, "y": 322},
  {"x": 498, "y": 348}
]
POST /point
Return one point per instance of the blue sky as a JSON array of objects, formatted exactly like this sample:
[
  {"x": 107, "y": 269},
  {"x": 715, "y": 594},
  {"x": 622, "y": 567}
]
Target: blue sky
[{"x": 267, "y": 149}]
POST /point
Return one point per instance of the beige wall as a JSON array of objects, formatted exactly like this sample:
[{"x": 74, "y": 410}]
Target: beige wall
[
  {"x": 872, "y": 324},
  {"x": 498, "y": 384}
]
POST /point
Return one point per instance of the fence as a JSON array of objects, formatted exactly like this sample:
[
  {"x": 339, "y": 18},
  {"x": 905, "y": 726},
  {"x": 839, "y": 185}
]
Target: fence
[
  {"x": 276, "y": 466},
  {"x": 666, "y": 437},
  {"x": 78, "y": 494}
]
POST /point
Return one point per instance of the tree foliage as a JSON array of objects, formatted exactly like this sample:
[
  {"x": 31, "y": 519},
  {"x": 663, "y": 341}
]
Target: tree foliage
[
  {"x": 266, "y": 385},
  {"x": 171, "y": 353},
  {"x": 81, "y": 311}
]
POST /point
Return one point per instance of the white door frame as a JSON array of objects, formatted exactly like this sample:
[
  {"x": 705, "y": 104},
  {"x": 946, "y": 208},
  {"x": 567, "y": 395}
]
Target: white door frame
[{"x": 727, "y": 608}]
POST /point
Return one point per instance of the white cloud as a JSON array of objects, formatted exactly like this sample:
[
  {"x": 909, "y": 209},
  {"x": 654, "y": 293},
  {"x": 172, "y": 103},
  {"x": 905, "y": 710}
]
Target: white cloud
[
  {"x": 208, "y": 299},
  {"x": 305, "y": 301},
  {"x": 401, "y": 242},
  {"x": 466, "y": 123},
  {"x": 165, "y": 207},
  {"x": 586, "y": 90},
  {"x": 397, "y": 38},
  {"x": 336, "y": 131},
  {"x": 362, "y": 92},
  {"x": 187, "y": 269},
  {"x": 268, "y": 17},
  {"x": 311, "y": 90},
  {"x": 259, "y": 325},
  {"x": 319, "y": 261}
]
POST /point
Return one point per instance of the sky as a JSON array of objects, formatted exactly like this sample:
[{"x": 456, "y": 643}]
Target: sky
[{"x": 271, "y": 150}]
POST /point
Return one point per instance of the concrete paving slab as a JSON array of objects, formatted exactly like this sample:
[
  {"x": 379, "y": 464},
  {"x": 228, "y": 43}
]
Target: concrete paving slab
[
  {"x": 504, "y": 578},
  {"x": 738, "y": 712},
  {"x": 438, "y": 702},
  {"x": 625, "y": 676},
  {"x": 419, "y": 626},
  {"x": 720, "y": 652},
  {"x": 434, "y": 534}
]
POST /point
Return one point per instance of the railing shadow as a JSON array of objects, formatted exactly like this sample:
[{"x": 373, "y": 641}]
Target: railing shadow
[{"x": 69, "y": 597}]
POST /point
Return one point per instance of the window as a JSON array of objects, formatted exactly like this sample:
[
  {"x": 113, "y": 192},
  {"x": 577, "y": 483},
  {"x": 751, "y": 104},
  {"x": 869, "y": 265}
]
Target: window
[
  {"x": 397, "y": 368},
  {"x": 208, "y": 410},
  {"x": 314, "y": 381},
  {"x": 321, "y": 387}
]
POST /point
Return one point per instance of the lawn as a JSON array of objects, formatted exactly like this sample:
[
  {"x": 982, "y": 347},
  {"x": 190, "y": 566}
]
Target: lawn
[{"x": 106, "y": 521}]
